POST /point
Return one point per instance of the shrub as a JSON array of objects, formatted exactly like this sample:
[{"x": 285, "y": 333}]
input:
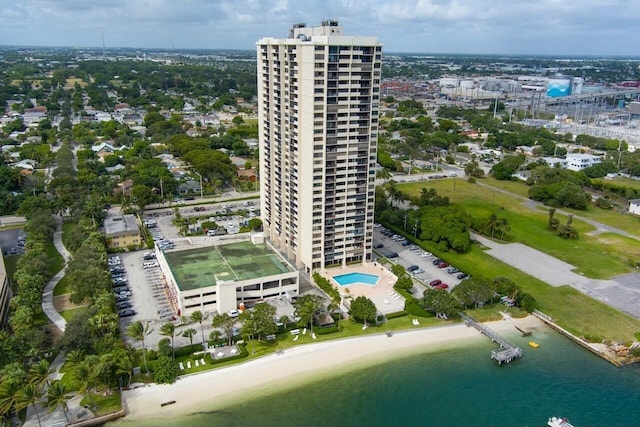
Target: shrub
[
  {"x": 396, "y": 314},
  {"x": 327, "y": 330},
  {"x": 471, "y": 180},
  {"x": 325, "y": 285},
  {"x": 188, "y": 350},
  {"x": 165, "y": 370}
]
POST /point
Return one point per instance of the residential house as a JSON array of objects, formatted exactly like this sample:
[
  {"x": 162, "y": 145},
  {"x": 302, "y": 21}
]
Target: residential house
[
  {"x": 124, "y": 187},
  {"x": 104, "y": 149},
  {"x": 26, "y": 164},
  {"x": 556, "y": 162},
  {"x": 189, "y": 186},
  {"x": 634, "y": 206}
]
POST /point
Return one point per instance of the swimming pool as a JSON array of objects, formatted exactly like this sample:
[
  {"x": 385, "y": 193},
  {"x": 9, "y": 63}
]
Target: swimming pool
[{"x": 351, "y": 278}]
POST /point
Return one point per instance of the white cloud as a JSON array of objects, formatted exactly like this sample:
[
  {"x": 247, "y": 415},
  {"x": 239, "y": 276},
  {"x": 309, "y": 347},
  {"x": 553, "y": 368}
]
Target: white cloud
[{"x": 482, "y": 26}]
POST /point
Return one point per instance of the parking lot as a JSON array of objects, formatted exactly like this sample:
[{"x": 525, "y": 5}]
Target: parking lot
[
  {"x": 12, "y": 241},
  {"x": 409, "y": 255}
]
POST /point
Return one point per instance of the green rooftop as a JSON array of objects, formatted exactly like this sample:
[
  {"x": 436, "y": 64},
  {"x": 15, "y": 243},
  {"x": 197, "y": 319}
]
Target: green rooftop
[{"x": 204, "y": 267}]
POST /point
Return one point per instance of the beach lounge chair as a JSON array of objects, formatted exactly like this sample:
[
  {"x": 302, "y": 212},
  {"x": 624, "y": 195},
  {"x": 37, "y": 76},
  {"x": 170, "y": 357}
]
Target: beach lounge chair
[
  {"x": 189, "y": 364},
  {"x": 296, "y": 337},
  {"x": 313, "y": 335},
  {"x": 181, "y": 366},
  {"x": 197, "y": 363},
  {"x": 234, "y": 351},
  {"x": 386, "y": 302},
  {"x": 304, "y": 331},
  {"x": 202, "y": 361},
  {"x": 220, "y": 355}
]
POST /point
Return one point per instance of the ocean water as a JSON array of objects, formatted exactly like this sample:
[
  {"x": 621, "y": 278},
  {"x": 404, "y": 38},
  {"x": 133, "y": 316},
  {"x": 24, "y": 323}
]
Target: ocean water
[{"x": 454, "y": 386}]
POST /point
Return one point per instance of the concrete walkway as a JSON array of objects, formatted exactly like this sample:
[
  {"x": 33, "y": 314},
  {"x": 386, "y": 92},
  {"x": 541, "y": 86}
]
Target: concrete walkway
[
  {"x": 621, "y": 292},
  {"x": 47, "y": 295}
]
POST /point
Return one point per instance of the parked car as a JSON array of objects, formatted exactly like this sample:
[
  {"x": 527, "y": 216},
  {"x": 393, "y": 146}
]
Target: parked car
[
  {"x": 426, "y": 254},
  {"x": 121, "y": 298},
  {"x": 126, "y": 313},
  {"x": 436, "y": 261},
  {"x": 123, "y": 305},
  {"x": 117, "y": 270},
  {"x": 443, "y": 265},
  {"x": 234, "y": 313},
  {"x": 462, "y": 276},
  {"x": 418, "y": 271},
  {"x": 406, "y": 242},
  {"x": 435, "y": 282},
  {"x": 413, "y": 248},
  {"x": 412, "y": 268},
  {"x": 151, "y": 264},
  {"x": 378, "y": 245},
  {"x": 391, "y": 255},
  {"x": 452, "y": 270},
  {"x": 442, "y": 286}
]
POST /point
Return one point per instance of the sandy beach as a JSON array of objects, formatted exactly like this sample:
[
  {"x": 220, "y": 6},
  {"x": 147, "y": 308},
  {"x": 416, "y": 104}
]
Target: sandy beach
[{"x": 296, "y": 365}]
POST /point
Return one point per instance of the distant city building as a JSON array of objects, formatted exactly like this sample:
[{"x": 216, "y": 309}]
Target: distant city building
[
  {"x": 318, "y": 94},
  {"x": 122, "y": 231}
]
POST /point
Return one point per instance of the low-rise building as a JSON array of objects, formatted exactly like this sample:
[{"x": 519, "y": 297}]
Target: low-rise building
[
  {"x": 122, "y": 231},
  {"x": 224, "y": 273},
  {"x": 579, "y": 161},
  {"x": 634, "y": 206}
]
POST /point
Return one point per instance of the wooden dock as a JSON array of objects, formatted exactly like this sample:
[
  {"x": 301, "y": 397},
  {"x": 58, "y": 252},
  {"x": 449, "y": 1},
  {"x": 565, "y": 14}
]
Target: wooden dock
[{"x": 507, "y": 351}]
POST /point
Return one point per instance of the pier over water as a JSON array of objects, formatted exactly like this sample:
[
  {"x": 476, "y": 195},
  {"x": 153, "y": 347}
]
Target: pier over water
[{"x": 507, "y": 351}]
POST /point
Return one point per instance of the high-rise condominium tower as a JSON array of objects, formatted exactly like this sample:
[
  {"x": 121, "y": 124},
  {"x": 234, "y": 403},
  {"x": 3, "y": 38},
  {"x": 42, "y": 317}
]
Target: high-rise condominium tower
[{"x": 318, "y": 93}]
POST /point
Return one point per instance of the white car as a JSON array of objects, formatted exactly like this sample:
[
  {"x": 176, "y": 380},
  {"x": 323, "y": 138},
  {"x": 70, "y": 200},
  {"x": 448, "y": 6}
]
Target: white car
[{"x": 234, "y": 313}]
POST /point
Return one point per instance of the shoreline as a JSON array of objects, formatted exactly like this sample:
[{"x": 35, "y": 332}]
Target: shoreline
[{"x": 297, "y": 365}]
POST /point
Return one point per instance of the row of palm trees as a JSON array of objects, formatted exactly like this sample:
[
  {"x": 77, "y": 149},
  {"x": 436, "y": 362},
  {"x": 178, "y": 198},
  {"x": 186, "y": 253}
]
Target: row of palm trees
[{"x": 18, "y": 392}]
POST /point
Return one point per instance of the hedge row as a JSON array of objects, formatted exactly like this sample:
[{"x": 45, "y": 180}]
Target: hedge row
[{"x": 325, "y": 285}]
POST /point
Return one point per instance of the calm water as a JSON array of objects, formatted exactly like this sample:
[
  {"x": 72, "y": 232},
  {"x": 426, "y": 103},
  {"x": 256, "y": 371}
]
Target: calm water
[{"x": 454, "y": 387}]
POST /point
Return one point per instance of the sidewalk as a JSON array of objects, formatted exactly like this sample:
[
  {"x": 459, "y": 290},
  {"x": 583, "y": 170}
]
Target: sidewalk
[{"x": 47, "y": 295}]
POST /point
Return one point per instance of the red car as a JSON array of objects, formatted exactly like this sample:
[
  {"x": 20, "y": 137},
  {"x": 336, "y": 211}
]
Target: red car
[
  {"x": 442, "y": 286},
  {"x": 443, "y": 265},
  {"x": 435, "y": 283}
]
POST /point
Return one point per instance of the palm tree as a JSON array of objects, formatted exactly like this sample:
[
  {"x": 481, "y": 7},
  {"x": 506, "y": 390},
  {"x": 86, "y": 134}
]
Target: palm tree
[
  {"x": 9, "y": 391},
  {"x": 503, "y": 226},
  {"x": 30, "y": 395},
  {"x": 84, "y": 375},
  {"x": 75, "y": 357},
  {"x": 197, "y": 316},
  {"x": 39, "y": 373},
  {"x": 57, "y": 396},
  {"x": 124, "y": 365},
  {"x": 189, "y": 333},
  {"x": 169, "y": 330},
  {"x": 138, "y": 331},
  {"x": 284, "y": 319},
  {"x": 492, "y": 223}
]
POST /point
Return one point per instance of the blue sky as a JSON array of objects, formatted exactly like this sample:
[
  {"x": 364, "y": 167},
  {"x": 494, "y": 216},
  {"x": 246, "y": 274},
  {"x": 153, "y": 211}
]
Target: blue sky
[{"x": 560, "y": 27}]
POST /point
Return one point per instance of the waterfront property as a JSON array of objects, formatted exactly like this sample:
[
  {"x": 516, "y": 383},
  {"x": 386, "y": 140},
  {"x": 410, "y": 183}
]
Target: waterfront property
[
  {"x": 221, "y": 275},
  {"x": 318, "y": 96},
  {"x": 507, "y": 351},
  {"x": 370, "y": 280}
]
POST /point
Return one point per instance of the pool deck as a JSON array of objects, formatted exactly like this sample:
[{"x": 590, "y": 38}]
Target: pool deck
[{"x": 382, "y": 293}]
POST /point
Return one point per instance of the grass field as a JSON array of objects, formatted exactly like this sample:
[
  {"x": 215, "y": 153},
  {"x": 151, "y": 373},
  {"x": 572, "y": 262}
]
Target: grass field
[
  {"x": 628, "y": 223},
  {"x": 623, "y": 181},
  {"x": 68, "y": 314},
  {"x": 56, "y": 260},
  {"x": 203, "y": 267},
  {"x": 593, "y": 256},
  {"x": 63, "y": 287}
]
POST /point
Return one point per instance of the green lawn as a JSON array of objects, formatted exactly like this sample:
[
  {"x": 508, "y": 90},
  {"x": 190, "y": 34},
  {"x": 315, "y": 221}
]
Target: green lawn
[
  {"x": 622, "y": 181},
  {"x": 56, "y": 260},
  {"x": 63, "y": 287},
  {"x": 68, "y": 314},
  {"x": 67, "y": 229},
  {"x": 613, "y": 218},
  {"x": 593, "y": 256},
  {"x": 107, "y": 404}
]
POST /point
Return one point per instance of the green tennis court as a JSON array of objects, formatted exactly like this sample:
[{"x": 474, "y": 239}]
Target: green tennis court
[{"x": 203, "y": 267}]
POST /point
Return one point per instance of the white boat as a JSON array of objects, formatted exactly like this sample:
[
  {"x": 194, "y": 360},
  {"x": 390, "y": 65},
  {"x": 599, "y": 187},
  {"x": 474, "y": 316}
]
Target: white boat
[{"x": 558, "y": 422}]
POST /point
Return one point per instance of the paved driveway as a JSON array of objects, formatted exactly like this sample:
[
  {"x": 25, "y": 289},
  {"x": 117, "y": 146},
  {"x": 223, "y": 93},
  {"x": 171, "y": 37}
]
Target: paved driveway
[{"x": 621, "y": 292}]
